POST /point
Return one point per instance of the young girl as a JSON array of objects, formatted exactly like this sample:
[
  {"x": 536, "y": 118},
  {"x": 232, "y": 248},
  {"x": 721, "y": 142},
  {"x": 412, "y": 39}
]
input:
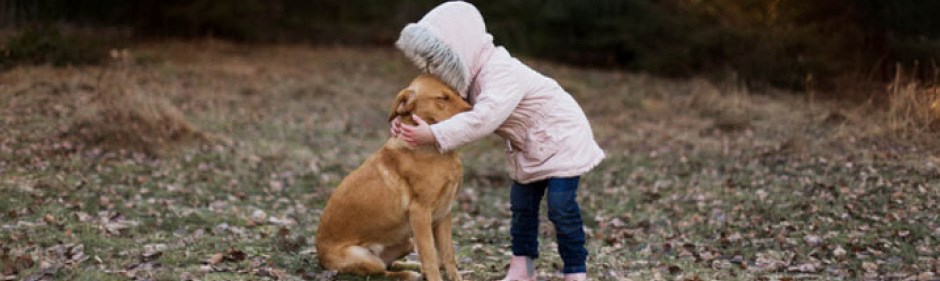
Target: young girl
[{"x": 548, "y": 139}]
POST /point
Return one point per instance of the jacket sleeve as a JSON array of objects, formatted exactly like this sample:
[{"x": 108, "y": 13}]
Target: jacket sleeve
[{"x": 499, "y": 95}]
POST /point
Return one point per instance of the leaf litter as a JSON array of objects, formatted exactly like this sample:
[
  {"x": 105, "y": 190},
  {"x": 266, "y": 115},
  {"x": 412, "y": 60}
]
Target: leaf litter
[{"x": 703, "y": 181}]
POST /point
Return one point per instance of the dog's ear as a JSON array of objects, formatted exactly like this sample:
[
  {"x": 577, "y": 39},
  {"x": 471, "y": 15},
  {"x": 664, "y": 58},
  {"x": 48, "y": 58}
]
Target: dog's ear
[{"x": 402, "y": 105}]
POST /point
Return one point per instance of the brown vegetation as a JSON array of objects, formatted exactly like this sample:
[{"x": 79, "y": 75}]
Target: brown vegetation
[
  {"x": 913, "y": 109},
  {"x": 122, "y": 116}
]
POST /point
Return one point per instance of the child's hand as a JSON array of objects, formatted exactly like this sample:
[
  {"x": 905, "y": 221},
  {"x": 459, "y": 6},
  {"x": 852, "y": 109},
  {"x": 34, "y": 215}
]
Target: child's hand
[
  {"x": 417, "y": 135},
  {"x": 396, "y": 127}
]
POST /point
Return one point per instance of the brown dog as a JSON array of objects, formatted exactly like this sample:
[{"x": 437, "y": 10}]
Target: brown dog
[{"x": 397, "y": 193}]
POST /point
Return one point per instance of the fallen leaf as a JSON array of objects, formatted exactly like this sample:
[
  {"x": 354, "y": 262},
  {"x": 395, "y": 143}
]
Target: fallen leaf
[
  {"x": 233, "y": 254},
  {"x": 24, "y": 262},
  {"x": 49, "y": 218},
  {"x": 8, "y": 267},
  {"x": 82, "y": 216},
  {"x": 259, "y": 216},
  {"x": 153, "y": 251},
  {"x": 673, "y": 269},
  {"x": 812, "y": 240},
  {"x": 838, "y": 252},
  {"x": 326, "y": 275},
  {"x": 215, "y": 259},
  {"x": 804, "y": 268},
  {"x": 870, "y": 266}
]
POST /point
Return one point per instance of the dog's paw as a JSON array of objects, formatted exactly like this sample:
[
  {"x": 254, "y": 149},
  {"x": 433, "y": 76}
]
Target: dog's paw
[
  {"x": 404, "y": 265},
  {"x": 405, "y": 275},
  {"x": 453, "y": 275}
]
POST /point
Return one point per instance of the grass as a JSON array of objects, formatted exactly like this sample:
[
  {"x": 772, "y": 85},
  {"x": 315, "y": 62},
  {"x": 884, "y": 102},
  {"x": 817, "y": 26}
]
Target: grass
[
  {"x": 913, "y": 109},
  {"x": 702, "y": 181}
]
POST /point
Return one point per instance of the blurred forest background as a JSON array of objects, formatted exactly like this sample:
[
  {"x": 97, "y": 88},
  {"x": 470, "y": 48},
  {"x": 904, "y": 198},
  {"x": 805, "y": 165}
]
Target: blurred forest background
[{"x": 794, "y": 44}]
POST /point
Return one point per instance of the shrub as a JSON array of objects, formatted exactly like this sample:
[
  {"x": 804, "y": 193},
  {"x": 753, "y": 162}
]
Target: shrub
[
  {"x": 122, "y": 116},
  {"x": 44, "y": 44},
  {"x": 786, "y": 43}
]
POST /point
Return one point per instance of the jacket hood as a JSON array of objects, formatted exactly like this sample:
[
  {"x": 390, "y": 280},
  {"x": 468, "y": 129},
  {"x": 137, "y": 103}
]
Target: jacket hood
[{"x": 449, "y": 42}]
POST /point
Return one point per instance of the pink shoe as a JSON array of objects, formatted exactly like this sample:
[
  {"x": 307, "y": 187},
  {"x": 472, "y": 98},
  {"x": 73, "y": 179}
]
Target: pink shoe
[
  {"x": 576, "y": 277},
  {"x": 521, "y": 268}
]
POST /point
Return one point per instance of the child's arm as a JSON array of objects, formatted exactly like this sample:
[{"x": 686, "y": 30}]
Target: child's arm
[{"x": 497, "y": 99}]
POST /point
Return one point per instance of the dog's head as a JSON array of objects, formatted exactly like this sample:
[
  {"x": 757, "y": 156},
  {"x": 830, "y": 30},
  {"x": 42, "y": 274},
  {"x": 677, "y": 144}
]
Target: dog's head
[{"x": 428, "y": 98}]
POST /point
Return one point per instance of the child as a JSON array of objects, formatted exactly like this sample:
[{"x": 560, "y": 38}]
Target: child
[{"x": 548, "y": 139}]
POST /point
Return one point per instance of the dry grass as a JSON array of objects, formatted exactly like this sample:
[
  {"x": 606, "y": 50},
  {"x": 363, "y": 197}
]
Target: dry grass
[
  {"x": 129, "y": 119},
  {"x": 123, "y": 116},
  {"x": 732, "y": 107},
  {"x": 913, "y": 109}
]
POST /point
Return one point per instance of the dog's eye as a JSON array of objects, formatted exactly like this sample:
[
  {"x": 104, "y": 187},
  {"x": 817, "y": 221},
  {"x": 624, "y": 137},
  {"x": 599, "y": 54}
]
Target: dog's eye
[{"x": 444, "y": 97}]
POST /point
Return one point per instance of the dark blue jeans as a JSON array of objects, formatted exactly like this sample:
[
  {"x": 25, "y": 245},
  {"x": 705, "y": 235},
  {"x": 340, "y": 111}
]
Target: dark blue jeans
[{"x": 564, "y": 213}]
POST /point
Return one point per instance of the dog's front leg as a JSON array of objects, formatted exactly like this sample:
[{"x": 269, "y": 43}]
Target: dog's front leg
[
  {"x": 445, "y": 247},
  {"x": 420, "y": 218}
]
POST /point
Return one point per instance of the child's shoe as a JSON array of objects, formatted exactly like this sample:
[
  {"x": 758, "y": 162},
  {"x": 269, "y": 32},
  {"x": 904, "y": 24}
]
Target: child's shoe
[
  {"x": 576, "y": 277},
  {"x": 521, "y": 268}
]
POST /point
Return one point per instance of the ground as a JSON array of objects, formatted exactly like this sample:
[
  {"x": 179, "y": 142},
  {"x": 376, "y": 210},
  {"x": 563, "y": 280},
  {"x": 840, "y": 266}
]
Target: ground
[{"x": 702, "y": 180}]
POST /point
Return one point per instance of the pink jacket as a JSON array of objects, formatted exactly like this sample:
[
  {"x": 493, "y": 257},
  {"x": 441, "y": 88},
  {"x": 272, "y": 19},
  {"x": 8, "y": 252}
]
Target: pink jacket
[{"x": 546, "y": 131}]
